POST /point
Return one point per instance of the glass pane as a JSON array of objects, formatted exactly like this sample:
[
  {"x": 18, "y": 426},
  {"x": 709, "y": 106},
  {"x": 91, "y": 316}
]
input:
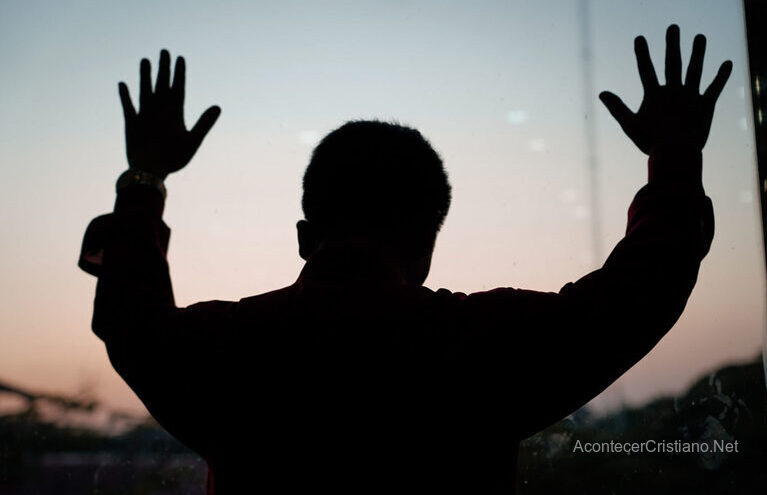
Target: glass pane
[{"x": 542, "y": 177}]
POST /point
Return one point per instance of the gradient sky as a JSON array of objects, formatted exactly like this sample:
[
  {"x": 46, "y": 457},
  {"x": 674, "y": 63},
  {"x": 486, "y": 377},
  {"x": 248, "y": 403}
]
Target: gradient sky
[{"x": 495, "y": 86}]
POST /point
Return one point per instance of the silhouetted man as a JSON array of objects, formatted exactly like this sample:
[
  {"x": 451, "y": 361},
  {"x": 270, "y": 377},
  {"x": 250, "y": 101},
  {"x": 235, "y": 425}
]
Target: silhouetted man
[{"x": 356, "y": 378}]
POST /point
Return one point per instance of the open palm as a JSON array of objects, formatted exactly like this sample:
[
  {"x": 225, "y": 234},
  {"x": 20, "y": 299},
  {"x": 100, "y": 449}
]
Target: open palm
[
  {"x": 675, "y": 115},
  {"x": 156, "y": 137}
]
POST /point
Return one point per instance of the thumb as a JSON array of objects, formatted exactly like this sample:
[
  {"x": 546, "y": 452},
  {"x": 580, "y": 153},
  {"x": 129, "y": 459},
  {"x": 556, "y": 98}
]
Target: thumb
[
  {"x": 203, "y": 125},
  {"x": 618, "y": 110}
]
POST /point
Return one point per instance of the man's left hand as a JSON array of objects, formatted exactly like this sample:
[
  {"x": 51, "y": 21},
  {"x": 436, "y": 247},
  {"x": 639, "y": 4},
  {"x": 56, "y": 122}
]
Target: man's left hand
[{"x": 156, "y": 137}]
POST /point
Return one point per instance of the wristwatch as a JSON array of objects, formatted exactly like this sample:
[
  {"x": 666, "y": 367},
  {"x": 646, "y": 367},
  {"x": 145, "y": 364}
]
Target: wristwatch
[{"x": 134, "y": 176}]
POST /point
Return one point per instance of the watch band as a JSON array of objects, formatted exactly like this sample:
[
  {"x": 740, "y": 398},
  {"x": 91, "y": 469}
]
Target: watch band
[{"x": 134, "y": 176}]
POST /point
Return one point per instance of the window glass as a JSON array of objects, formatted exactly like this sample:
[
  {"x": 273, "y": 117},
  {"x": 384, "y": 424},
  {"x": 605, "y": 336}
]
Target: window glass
[{"x": 542, "y": 178}]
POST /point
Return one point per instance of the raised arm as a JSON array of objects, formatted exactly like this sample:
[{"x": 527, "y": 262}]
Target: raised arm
[
  {"x": 155, "y": 346},
  {"x": 567, "y": 347}
]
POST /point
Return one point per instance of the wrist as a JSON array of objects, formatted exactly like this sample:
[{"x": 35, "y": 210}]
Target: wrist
[
  {"x": 676, "y": 165},
  {"x": 140, "y": 192},
  {"x": 133, "y": 177}
]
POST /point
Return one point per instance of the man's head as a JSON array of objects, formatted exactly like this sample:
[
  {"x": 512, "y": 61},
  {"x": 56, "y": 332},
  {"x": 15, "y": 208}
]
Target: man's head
[{"x": 377, "y": 182}]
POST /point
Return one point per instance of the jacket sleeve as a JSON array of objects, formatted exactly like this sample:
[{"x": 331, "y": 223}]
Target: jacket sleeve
[
  {"x": 555, "y": 351},
  {"x": 163, "y": 352}
]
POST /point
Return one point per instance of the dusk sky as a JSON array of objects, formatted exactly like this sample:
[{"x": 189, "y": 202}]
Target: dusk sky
[{"x": 497, "y": 87}]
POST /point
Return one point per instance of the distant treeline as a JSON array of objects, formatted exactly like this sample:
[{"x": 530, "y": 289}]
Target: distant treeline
[{"x": 724, "y": 407}]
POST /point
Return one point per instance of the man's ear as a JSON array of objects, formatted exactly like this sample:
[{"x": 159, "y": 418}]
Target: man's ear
[{"x": 308, "y": 240}]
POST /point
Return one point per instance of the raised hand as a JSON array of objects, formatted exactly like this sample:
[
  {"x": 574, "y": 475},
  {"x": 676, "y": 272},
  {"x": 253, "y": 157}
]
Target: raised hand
[
  {"x": 156, "y": 138},
  {"x": 674, "y": 116}
]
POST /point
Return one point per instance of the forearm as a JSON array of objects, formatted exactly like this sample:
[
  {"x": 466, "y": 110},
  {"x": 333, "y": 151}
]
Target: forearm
[
  {"x": 595, "y": 329},
  {"x": 623, "y": 309},
  {"x": 155, "y": 346},
  {"x": 134, "y": 285}
]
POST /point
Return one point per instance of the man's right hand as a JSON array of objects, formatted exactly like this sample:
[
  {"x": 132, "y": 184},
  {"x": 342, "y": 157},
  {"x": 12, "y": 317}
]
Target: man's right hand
[{"x": 675, "y": 116}]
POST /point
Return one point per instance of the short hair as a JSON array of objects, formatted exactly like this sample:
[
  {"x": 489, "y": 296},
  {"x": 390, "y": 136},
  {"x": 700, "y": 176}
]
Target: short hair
[{"x": 379, "y": 180}]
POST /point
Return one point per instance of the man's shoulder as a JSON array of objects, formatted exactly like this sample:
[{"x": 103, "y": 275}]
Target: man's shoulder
[
  {"x": 273, "y": 301},
  {"x": 282, "y": 292},
  {"x": 411, "y": 292},
  {"x": 414, "y": 300}
]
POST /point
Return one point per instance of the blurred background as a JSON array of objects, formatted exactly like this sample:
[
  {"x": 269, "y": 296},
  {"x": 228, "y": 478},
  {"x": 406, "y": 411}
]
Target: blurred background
[{"x": 542, "y": 178}]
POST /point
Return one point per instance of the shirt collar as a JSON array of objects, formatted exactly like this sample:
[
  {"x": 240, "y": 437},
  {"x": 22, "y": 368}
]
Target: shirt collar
[{"x": 349, "y": 262}]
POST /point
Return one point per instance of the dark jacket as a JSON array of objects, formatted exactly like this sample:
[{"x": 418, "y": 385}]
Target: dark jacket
[{"x": 350, "y": 381}]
